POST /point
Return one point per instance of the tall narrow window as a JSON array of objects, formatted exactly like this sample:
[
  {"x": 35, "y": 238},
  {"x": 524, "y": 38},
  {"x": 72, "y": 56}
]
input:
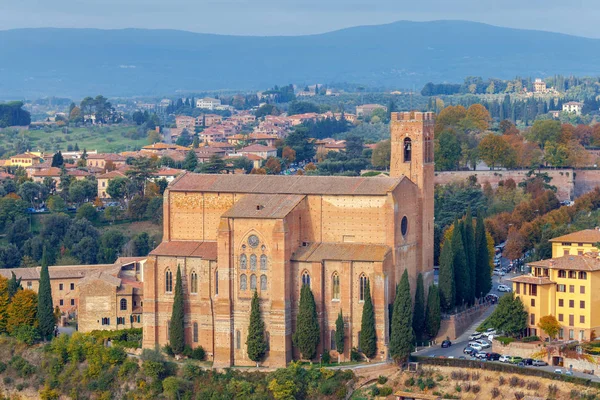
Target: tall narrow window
[
  {"x": 335, "y": 286},
  {"x": 268, "y": 341},
  {"x": 243, "y": 261},
  {"x": 263, "y": 282},
  {"x": 243, "y": 282},
  {"x": 216, "y": 282},
  {"x": 263, "y": 262},
  {"x": 195, "y": 332},
  {"x": 407, "y": 150},
  {"x": 305, "y": 278},
  {"x": 252, "y": 282},
  {"x": 238, "y": 340},
  {"x": 123, "y": 304},
  {"x": 363, "y": 287},
  {"x": 253, "y": 262},
  {"x": 332, "y": 340},
  {"x": 168, "y": 281},
  {"x": 194, "y": 282}
]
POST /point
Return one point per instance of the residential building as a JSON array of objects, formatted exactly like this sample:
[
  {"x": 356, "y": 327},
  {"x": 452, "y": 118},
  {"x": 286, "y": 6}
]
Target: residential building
[
  {"x": 539, "y": 86},
  {"x": 103, "y": 182},
  {"x": 366, "y": 110},
  {"x": 185, "y": 122},
  {"x": 260, "y": 150},
  {"x": 25, "y": 160},
  {"x": 573, "y": 107},
  {"x": 208, "y": 103},
  {"x": 106, "y": 161},
  {"x": 235, "y": 234},
  {"x": 567, "y": 286}
]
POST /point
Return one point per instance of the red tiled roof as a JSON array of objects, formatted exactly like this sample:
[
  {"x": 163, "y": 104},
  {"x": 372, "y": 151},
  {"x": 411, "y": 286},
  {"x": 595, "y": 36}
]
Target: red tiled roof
[
  {"x": 111, "y": 175},
  {"x": 257, "y": 148},
  {"x": 264, "y": 206},
  {"x": 317, "y": 252},
  {"x": 584, "y": 236},
  {"x": 206, "y": 250},
  {"x": 586, "y": 262},
  {"x": 541, "y": 280}
]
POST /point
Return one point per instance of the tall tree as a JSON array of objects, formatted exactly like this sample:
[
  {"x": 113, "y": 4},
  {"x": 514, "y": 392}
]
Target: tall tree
[
  {"x": 4, "y": 303},
  {"x": 461, "y": 277},
  {"x": 14, "y": 285},
  {"x": 419, "y": 309},
  {"x": 22, "y": 310},
  {"x": 402, "y": 337},
  {"x": 483, "y": 281},
  {"x": 307, "y": 335},
  {"x": 433, "y": 315},
  {"x": 257, "y": 346},
  {"x": 446, "y": 277},
  {"x": 45, "y": 309},
  {"x": 191, "y": 161},
  {"x": 368, "y": 336},
  {"x": 471, "y": 256},
  {"x": 176, "y": 330},
  {"x": 57, "y": 160},
  {"x": 340, "y": 335}
]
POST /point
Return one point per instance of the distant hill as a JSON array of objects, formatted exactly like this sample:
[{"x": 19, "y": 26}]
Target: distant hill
[{"x": 79, "y": 62}]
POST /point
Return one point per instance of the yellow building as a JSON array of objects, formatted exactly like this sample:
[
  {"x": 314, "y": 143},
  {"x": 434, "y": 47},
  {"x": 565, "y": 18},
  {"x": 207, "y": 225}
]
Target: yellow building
[
  {"x": 565, "y": 286},
  {"x": 25, "y": 160}
]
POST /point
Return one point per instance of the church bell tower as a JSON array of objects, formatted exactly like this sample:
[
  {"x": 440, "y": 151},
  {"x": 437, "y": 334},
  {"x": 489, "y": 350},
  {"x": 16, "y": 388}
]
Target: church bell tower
[{"x": 412, "y": 157}]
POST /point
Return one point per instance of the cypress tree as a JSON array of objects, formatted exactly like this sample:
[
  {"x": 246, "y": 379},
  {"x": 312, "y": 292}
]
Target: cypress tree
[
  {"x": 368, "y": 336},
  {"x": 308, "y": 334},
  {"x": 483, "y": 271},
  {"x": 461, "y": 277},
  {"x": 14, "y": 285},
  {"x": 176, "y": 330},
  {"x": 402, "y": 338},
  {"x": 45, "y": 311},
  {"x": 472, "y": 256},
  {"x": 446, "y": 277},
  {"x": 257, "y": 346},
  {"x": 433, "y": 316},
  {"x": 340, "y": 335},
  {"x": 419, "y": 309}
]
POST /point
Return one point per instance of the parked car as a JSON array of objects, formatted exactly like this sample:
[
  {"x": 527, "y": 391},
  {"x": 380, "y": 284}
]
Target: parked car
[
  {"x": 527, "y": 361},
  {"x": 446, "y": 343},
  {"x": 483, "y": 343},
  {"x": 493, "y": 356},
  {"x": 468, "y": 350},
  {"x": 504, "y": 359},
  {"x": 539, "y": 363},
  {"x": 490, "y": 331},
  {"x": 516, "y": 360},
  {"x": 504, "y": 288},
  {"x": 475, "y": 336},
  {"x": 476, "y": 346},
  {"x": 481, "y": 355},
  {"x": 492, "y": 298},
  {"x": 558, "y": 371},
  {"x": 569, "y": 372}
]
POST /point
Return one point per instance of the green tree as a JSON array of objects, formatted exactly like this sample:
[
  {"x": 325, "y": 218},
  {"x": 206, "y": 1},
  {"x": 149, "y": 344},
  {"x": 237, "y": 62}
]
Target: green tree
[
  {"x": 382, "y": 154},
  {"x": 433, "y": 316},
  {"x": 57, "y": 160},
  {"x": 255, "y": 342},
  {"x": 117, "y": 187},
  {"x": 56, "y": 204},
  {"x": 340, "y": 335},
  {"x": 446, "y": 277},
  {"x": 176, "y": 330},
  {"x": 4, "y": 303},
  {"x": 419, "y": 309},
  {"x": 14, "y": 285},
  {"x": 483, "y": 280},
  {"x": 368, "y": 335},
  {"x": 509, "y": 316},
  {"x": 300, "y": 142},
  {"x": 495, "y": 151},
  {"x": 87, "y": 211},
  {"x": 308, "y": 334},
  {"x": 545, "y": 131},
  {"x": 448, "y": 152},
  {"x": 470, "y": 252},
  {"x": 461, "y": 273},
  {"x": 45, "y": 309},
  {"x": 402, "y": 336},
  {"x": 191, "y": 161}
]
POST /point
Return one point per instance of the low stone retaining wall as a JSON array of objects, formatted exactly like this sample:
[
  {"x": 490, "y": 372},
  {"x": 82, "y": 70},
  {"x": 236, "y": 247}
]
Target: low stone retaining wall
[
  {"x": 520, "y": 349},
  {"x": 457, "y": 324}
]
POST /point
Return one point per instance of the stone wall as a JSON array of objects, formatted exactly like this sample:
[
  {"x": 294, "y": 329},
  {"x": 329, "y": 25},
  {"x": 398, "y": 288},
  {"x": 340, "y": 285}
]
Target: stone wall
[
  {"x": 586, "y": 180},
  {"x": 561, "y": 178},
  {"x": 457, "y": 324},
  {"x": 519, "y": 349}
]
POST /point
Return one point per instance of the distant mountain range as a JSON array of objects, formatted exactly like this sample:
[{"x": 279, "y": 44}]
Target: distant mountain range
[{"x": 130, "y": 62}]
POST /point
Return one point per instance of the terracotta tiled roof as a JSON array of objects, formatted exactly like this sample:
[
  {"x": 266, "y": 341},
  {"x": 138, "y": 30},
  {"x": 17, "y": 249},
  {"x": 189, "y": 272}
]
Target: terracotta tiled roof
[
  {"x": 105, "y": 276},
  {"x": 6, "y": 175},
  {"x": 55, "y": 271},
  {"x": 106, "y": 156},
  {"x": 206, "y": 250},
  {"x": 279, "y": 184},
  {"x": 164, "y": 146},
  {"x": 49, "y": 172},
  {"x": 165, "y": 171},
  {"x": 77, "y": 172},
  {"x": 586, "y": 262},
  {"x": 25, "y": 155},
  {"x": 257, "y": 148},
  {"x": 316, "y": 252},
  {"x": 584, "y": 236},
  {"x": 111, "y": 175},
  {"x": 127, "y": 260},
  {"x": 264, "y": 206},
  {"x": 542, "y": 280}
]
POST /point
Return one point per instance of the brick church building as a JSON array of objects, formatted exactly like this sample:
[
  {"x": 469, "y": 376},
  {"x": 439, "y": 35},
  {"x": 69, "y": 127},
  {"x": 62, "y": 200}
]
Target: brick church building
[{"x": 234, "y": 234}]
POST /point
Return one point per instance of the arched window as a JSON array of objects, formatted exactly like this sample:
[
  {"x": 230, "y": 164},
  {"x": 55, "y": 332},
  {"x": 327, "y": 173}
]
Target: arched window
[
  {"x": 305, "y": 278},
  {"x": 332, "y": 340},
  {"x": 582, "y": 275},
  {"x": 194, "y": 282},
  {"x": 362, "y": 281},
  {"x": 263, "y": 262},
  {"x": 407, "y": 149},
  {"x": 253, "y": 262},
  {"x": 335, "y": 286},
  {"x": 123, "y": 304},
  {"x": 252, "y": 282},
  {"x": 168, "y": 281},
  {"x": 263, "y": 282},
  {"x": 238, "y": 339},
  {"x": 195, "y": 332},
  {"x": 243, "y": 261},
  {"x": 243, "y": 282}
]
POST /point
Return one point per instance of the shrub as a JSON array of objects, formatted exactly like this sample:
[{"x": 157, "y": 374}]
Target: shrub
[
  {"x": 475, "y": 376},
  {"x": 2, "y": 367},
  {"x": 501, "y": 380},
  {"x": 409, "y": 382},
  {"x": 128, "y": 368},
  {"x": 26, "y": 334},
  {"x": 476, "y": 389},
  {"x": 198, "y": 354},
  {"x": 382, "y": 379},
  {"x": 519, "y": 395},
  {"x": 7, "y": 380},
  {"x": 21, "y": 386},
  {"x": 326, "y": 357},
  {"x": 530, "y": 339},
  {"x": 495, "y": 392},
  {"x": 168, "y": 350},
  {"x": 466, "y": 387},
  {"x": 328, "y": 387},
  {"x": 23, "y": 368},
  {"x": 552, "y": 389},
  {"x": 374, "y": 391},
  {"x": 355, "y": 355},
  {"x": 505, "y": 340},
  {"x": 457, "y": 388},
  {"x": 533, "y": 385},
  {"x": 385, "y": 391}
]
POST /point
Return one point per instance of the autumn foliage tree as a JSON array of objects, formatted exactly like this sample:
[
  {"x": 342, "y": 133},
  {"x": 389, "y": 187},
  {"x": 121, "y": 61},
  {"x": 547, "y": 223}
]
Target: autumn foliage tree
[
  {"x": 549, "y": 325},
  {"x": 22, "y": 310}
]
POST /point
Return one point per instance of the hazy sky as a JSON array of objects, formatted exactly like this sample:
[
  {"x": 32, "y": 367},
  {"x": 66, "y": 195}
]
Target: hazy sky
[{"x": 293, "y": 17}]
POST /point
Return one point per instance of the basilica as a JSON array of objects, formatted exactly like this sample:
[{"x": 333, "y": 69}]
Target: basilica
[{"x": 232, "y": 235}]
